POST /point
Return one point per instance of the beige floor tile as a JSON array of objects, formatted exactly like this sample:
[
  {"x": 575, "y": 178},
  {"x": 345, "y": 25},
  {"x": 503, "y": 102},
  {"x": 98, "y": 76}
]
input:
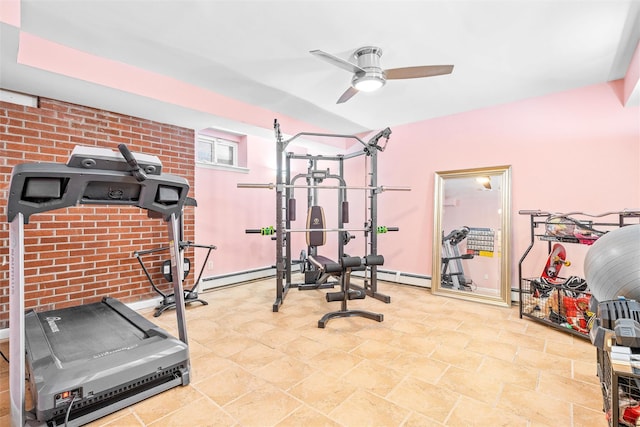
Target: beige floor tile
[
  {"x": 569, "y": 389},
  {"x": 522, "y": 340},
  {"x": 228, "y": 385},
  {"x": 527, "y": 359},
  {"x": 277, "y": 337},
  {"x": 427, "y": 399},
  {"x": 450, "y": 337},
  {"x": 5, "y": 406},
  {"x": 302, "y": 348},
  {"x": 547, "y": 411},
  {"x": 309, "y": 417},
  {"x": 336, "y": 337},
  {"x": 457, "y": 357},
  {"x": 125, "y": 417},
  {"x": 262, "y": 406},
  {"x": 285, "y": 372},
  {"x": 323, "y": 391},
  {"x": 416, "y": 419},
  {"x": 422, "y": 344},
  {"x": 129, "y": 420},
  {"x": 377, "y": 351},
  {"x": 410, "y": 326},
  {"x": 493, "y": 347},
  {"x": 256, "y": 356},
  {"x": 480, "y": 327},
  {"x": 207, "y": 365},
  {"x": 160, "y": 405},
  {"x": 419, "y": 366},
  {"x": 335, "y": 362},
  {"x": 363, "y": 408},
  {"x": 373, "y": 377},
  {"x": 473, "y": 385},
  {"x": 508, "y": 373},
  {"x": 200, "y": 412},
  {"x": 229, "y": 345},
  {"x": 586, "y": 372},
  {"x": 587, "y": 417},
  {"x": 550, "y": 334},
  {"x": 577, "y": 350},
  {"x": 469, "y": 412},
  {"x": 379, "y": 331},
  {"x": 203, "y": 329}
]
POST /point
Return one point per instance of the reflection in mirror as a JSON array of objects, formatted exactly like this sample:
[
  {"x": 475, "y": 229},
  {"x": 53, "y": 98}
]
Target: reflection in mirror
[{"x": 472, "y": 219}]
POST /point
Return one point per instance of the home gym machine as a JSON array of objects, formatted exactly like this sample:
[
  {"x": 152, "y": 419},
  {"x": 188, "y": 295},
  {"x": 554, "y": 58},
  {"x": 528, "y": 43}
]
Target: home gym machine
[
  {"x": 87, "y": 361},
  {"x": 315, "y": 265}
]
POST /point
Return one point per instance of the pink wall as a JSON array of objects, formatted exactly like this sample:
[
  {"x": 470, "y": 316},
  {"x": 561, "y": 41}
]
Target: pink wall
[
  {"x": 572, "y": 151},
  {"x": 225, "y": 211}
]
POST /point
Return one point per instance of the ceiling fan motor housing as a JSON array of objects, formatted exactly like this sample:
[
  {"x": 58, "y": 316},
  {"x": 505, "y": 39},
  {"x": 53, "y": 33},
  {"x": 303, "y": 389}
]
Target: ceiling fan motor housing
[{"x": 368, "y": 59}]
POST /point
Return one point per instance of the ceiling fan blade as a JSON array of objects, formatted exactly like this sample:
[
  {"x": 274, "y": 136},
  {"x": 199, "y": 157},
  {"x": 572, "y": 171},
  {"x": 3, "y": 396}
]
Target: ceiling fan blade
[
  {"x": 416, "y": 72},
  {"x": 340, "y": 63},
  {"x": 347, "y": 95}
]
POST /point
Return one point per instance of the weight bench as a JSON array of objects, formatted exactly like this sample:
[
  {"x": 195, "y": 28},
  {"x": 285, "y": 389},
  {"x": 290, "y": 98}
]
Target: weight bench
[
  {"x": 347, "y": 291},
  {"x": 317, "y": 278}
]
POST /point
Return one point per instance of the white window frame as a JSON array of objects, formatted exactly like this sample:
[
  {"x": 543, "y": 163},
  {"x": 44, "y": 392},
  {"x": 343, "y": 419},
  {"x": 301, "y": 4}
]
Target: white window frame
[{"x": 216, "y": 145}]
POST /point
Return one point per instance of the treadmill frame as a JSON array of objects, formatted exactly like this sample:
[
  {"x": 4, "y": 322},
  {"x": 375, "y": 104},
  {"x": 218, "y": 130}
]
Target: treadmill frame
[{"x": 87, "y": 166}]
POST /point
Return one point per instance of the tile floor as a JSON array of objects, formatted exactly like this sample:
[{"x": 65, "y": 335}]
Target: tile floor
[{"x": 433, "y": 361}]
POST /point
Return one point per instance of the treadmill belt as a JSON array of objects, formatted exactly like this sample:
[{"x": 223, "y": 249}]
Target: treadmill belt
[{"x": 88, "y": 331}]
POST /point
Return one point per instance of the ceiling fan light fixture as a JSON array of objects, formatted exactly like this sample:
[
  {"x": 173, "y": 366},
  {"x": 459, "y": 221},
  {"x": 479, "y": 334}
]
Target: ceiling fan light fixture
[
  {"x": 368, "y": 83},
  {"x": 485, "y": 181}
]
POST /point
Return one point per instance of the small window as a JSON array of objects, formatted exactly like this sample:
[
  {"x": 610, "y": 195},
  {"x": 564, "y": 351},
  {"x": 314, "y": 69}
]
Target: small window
[{"x": 217, "y": 151}]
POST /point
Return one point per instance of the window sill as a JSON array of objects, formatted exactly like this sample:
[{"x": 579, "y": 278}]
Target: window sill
[{"x": 216, "y": 166}]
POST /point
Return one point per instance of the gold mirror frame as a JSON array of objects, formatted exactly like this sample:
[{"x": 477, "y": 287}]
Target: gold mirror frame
[{"x": 503, "y": 174}]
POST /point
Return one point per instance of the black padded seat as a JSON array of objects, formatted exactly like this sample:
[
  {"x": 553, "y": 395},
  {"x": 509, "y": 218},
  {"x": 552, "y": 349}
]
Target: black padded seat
[{"x": 325, "y": 264}]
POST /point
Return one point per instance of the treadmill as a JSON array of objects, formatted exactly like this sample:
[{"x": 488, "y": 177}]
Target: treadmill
[{"x": 87, "y": 361}]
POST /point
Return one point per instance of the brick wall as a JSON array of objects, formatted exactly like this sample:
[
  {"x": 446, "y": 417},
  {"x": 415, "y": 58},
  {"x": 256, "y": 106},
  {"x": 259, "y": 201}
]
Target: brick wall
[{"x": 78, "y": 255}]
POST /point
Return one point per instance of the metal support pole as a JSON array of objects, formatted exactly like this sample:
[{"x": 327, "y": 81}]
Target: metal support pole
[
  {"x": 280, "y": 225},
  {"x": 373, "y": 291},
  {"x": 16, "y": 322},
  {"x": 341, "y": 199},
  {"x": 287, "y": 239},
  {"x": 177, "y": 273},
  {"x": 312, "y": 195}
]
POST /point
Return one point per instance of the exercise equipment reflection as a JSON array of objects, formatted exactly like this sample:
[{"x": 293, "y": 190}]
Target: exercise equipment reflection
[{"x": 452, "y": 272}]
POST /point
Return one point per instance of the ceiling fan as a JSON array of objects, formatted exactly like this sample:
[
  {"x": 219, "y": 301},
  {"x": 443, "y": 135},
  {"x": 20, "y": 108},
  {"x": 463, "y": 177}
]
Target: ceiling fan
[{"x": 369, "y": 76}]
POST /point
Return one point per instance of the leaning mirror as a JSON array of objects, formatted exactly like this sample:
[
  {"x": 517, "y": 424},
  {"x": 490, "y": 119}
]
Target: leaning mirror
[{"x": 471, "y": 234}]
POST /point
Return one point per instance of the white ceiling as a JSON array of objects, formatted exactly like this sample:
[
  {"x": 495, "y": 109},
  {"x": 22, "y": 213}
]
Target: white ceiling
[{"x": 257, "y": 52}]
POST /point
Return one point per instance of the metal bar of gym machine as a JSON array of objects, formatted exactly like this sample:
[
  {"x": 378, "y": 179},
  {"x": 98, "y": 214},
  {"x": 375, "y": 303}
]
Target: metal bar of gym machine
[{"x": 271, "y": 186}]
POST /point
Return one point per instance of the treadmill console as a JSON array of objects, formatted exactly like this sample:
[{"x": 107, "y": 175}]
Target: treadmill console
[
  {"x": 106, "y": 159},
  {"x": 96, "y": 176}
]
